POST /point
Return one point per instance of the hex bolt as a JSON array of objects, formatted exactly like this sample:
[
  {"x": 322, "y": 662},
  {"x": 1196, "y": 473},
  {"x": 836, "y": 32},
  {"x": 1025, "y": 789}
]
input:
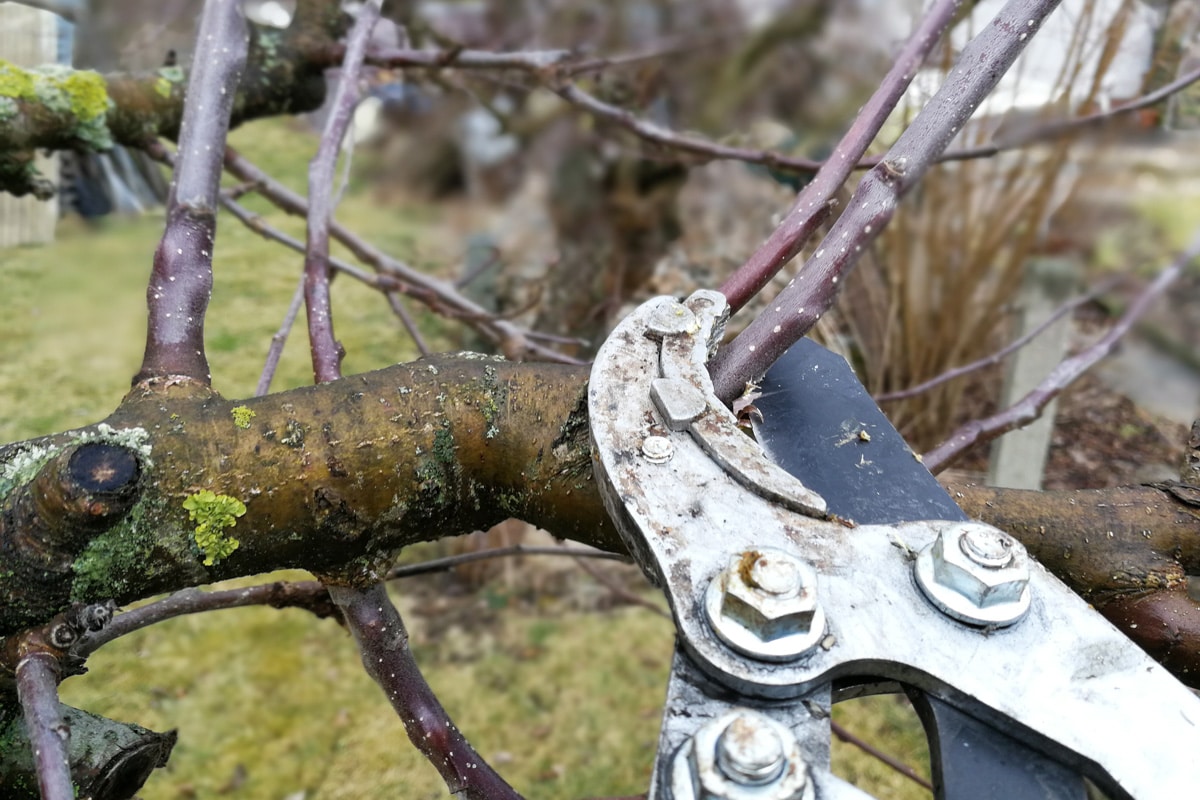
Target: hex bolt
[
  {"x": 764, "y": 605},
  {"x": 657, "y": 449},
  {"x": 749, "y": 752},
  {"x": 741, "y": 755},
  {"x": 976, "y": 574},
  {"x": 987, "y": 547}
]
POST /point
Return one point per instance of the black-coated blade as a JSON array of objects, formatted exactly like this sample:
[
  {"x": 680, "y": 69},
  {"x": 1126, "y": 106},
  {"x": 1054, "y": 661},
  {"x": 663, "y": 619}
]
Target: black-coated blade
[
  {"x": 820, "y": 424},
  {"x": 974, "y": 761}
]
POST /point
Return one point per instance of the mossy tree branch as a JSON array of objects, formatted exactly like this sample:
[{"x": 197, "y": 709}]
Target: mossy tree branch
[
  {"x": 338, "y": 476},
  {"x": 59, "y": 108}
]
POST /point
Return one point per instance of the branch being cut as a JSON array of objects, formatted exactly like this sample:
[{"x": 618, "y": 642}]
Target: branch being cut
[
  {"x": 811, "y": 293},
  {"x": 814, "y": 203},
  {"x": 181, "y": 281},
  {"x": 1029, "y": 407}
]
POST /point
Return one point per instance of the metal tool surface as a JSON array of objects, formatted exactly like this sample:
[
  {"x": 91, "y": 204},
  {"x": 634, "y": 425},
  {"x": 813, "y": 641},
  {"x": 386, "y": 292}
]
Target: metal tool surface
[{"x": 780, "y": 607}]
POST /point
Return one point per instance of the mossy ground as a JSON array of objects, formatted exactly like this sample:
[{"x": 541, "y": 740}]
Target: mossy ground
[{"x": 273, "y": 704}]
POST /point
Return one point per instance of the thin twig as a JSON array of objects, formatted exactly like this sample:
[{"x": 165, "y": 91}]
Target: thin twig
[
  {"x": 811, "y": 293},
  {"x": 275, "y": 351},
  {"x": 686, "y": 143},
  {"x": 1059, "y": 128},
  {"x": 382, "y": 282},
  {"x": 383, "y": 642},
  {"x": 1002, "y": 353},
  {"x": 309, "y": 595},
  {"x": 326, "y": 352},
  {"x": 619, "y": 591},
  {"x": 896, "y": 764},
  {"x": 407, "y": 321},
  {"x": 37, "y": 687},
  {"x": 1030, "y": 406},
  {"x": 813, "y": 204},
  {"x": 181, "y": 280},
  {"x": 438, "y": 295}
]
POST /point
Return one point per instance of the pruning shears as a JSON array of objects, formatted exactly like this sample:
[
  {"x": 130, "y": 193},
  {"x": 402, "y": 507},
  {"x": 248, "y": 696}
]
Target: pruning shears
[{"x": 820, "y": 561}]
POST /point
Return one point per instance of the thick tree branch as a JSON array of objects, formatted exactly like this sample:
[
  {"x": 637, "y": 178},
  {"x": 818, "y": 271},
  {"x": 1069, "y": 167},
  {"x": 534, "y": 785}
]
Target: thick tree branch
[
  {"x": 346, "y": 472},
  {"x": 284, "y": 74},
  {"x": 1127, "y": 551}
]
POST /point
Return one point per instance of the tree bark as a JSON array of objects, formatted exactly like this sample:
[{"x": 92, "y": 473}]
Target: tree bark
[{"x": 333, "y": 478}]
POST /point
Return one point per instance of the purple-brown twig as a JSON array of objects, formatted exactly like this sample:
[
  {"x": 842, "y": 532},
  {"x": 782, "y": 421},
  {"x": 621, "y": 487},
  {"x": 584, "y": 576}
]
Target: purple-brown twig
[
  {"x": 278, "y": 340},
  {"x": 890, "y": 761},
  {"x": 813, "y": 204},
  {"x": 309, "y": 595},
  {"x": 439, "y": 295},
  {"x": 1030, "y": 406},
  {"x": 810, "y": 294},
  {"x": 326, "y": 352},
  {"x": 383, "y": 642},
  {"x": 1003, "y": 352},
  {"x": 37, "y": 688},
  {"x": 181, "y": 280}
]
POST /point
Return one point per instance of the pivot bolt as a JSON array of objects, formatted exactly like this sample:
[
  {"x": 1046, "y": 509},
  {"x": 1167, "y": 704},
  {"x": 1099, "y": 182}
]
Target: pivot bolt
[
  {"x": 764, "y": 605},
  {"x": 976, "y": 574},
  {"x": 741, "y": 755},
  {"x": 749, "y": 752}
]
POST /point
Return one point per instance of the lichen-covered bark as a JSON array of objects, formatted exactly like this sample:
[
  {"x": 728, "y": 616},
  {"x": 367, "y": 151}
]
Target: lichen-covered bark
[
  {"x": 334, "y": 478},
  {"x": 60, "y": 108}
]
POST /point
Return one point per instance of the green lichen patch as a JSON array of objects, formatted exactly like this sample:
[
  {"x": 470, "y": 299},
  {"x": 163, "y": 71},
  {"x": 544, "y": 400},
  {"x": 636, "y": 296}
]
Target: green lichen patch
[
  {"x": 242, "y": 416},
  {"x": 78, "y": 95},
  {"x": 213, "y": 514},
  {"x": 443, "y": 446},
  {"x": 495, "y": 396}
]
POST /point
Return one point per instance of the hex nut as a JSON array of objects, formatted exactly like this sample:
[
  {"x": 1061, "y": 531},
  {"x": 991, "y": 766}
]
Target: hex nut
[
  {"x": 764, "y": 605},
  {"x": 741, "y": 755},
  {"x": 976, "y": 574}
]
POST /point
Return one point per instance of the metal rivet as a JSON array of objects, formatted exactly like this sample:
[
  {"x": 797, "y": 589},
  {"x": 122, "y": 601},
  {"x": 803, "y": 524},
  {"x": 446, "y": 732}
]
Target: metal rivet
[{"x": 657, "y": 449}]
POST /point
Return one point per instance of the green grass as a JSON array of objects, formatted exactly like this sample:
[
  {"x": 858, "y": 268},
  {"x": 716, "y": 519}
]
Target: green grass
[
  {"x": 282, "y": 697},
  {"x": 269, "y": 703}
]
